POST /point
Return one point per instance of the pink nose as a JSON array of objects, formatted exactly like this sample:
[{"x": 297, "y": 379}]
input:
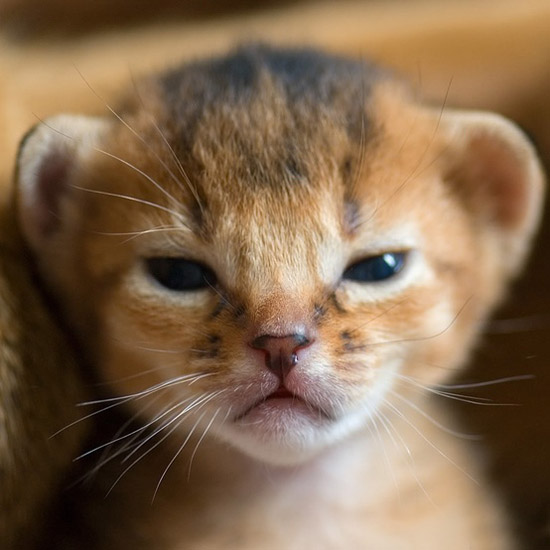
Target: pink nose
[{"x": 281, "y": 352}]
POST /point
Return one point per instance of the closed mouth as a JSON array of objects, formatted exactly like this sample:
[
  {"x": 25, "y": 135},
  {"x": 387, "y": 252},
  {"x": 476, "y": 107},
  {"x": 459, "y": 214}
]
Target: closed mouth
[{"x": 279, "y": 394}]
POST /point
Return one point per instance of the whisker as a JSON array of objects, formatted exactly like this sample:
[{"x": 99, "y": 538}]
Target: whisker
[
  {"x": 222, "y": 297},
  {"x": 120, "y": 400},
  {"x": 148, "y": 345},
  {"x": 158, "y": 368},
  {"x": 177, "y": 419},
  {"x": 179, "y": 216},
  {"x": 375, "y": 419},
  {"x": 142, "y": 173},
  {"x": 456, "y": 396},
  {"x": 180, "y": 167},
  {"x": 471, "y": 437},
  {"x": 189, "y": 435},
  {"x": 200, "y": 441},
  {"x": 470, "y": 399},
  {"x": 137, "y": 234},
  {"x": 376, "y": 317},
  {"x": 414, "y": 172},
  {"x": 424, "y": 338},
  {"x": 386, "y": 422},
  {"x": 198, "y": 403},
  {"x": 138, "y": 136},
  {"x": 430, "y": 443},
  {"x": 105, "y": 456},
  {"x": 119, "y": 437},
  {"x": 227, "y": 414},
  {"x": 86, "y": 417},
  {"x": 170, "y": 149},
  {"x": 157, "y": 229},
  {"x": 161, "y": 385},
  {"x": 504, "y": 380}
]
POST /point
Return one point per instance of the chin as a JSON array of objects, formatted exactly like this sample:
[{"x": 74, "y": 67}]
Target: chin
[{"x": 287, "y": 433}]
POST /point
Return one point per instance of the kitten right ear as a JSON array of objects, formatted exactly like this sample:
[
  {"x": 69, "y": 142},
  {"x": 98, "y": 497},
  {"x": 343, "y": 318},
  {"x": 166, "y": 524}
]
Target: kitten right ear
[
  {"x": 49, "y": 157},
  {"x": 495, "y": 170}
]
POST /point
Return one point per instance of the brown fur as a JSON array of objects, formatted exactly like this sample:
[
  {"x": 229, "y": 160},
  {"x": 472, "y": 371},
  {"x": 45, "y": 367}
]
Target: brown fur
[
  {"x": 39, "y": 386},
  {"x": 261, "y": 156},
  {"x": 404, "y": 38}
]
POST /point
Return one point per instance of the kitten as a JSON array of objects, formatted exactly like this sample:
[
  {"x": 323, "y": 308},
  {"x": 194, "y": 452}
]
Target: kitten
[{"x": 273, "y": 259}]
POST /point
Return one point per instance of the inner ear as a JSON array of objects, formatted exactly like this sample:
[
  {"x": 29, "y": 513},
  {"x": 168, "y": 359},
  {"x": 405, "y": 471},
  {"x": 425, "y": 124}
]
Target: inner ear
[
  {"x": 502, "y": 177},
  {"x": 52, "y": 182},
  {"x": 49, "y": 157},
  {"x": 494, "y": 169}
]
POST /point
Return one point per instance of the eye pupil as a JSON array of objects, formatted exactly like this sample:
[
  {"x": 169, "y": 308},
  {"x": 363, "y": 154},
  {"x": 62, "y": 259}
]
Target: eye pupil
[
  {"x": 180, "y": 274},
  {"x": 376, "y": 268}
]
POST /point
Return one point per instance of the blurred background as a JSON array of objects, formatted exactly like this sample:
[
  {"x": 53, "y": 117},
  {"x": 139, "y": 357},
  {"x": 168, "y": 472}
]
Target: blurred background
[{"x": 478, "y": 54}]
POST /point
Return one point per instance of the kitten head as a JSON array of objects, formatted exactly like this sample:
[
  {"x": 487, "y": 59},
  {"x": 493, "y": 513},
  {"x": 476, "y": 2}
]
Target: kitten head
[{"x": 270, "y": 245}]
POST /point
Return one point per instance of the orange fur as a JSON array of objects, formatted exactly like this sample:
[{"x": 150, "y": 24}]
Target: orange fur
[
  {"x": 463, "y": 42},
  {"x": 257, "y": 187}
]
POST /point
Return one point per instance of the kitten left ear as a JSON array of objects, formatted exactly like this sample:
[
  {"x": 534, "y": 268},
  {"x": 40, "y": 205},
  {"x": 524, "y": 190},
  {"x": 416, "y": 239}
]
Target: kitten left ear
[
  {"x": 50, "y": 158},
  {"x": 494, "y": 169}
]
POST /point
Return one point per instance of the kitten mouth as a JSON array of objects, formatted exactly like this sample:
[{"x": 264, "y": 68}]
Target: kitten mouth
[
  {"x": 282, "y": 393},
  {"x": 282, "y": 398}
]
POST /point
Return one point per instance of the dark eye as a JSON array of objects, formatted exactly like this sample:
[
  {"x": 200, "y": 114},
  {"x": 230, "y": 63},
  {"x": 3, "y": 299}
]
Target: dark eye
[
  {"x": 376, "y": 268},
  {"x": 179, "y": 274}
]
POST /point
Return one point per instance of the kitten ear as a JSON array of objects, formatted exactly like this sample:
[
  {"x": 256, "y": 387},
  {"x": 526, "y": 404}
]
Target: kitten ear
[
  {"x": 49, "y": 157},
  {"x": 494, "y": 169}
]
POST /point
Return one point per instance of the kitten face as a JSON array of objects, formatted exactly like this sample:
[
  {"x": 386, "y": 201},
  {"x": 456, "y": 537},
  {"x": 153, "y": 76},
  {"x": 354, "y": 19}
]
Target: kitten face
[{"x": 262, "y": 268}]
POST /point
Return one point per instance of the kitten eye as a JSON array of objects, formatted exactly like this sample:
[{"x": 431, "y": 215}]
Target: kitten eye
[
  {"x": 376, "y": 268},
  {"x": 180, "y": 274}
]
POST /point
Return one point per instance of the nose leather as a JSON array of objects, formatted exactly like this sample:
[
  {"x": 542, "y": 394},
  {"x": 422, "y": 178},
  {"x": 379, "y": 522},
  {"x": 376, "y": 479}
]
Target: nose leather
[{"x": 281, "y": 352}]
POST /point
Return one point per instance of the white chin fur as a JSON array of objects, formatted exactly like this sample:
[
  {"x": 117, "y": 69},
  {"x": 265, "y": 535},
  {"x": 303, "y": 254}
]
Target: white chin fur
[{"x": 289, "y": 443}]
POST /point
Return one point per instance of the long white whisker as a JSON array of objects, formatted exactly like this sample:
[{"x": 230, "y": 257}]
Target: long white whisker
[
  {"x": 471, "y": 437},
  {"x": 173, "y": 154},
  {"x": 138, "y": 374},
  {"x": 419, "y": 163},
  {"x": 86, "y": 417},
  {"x": 487, "y": 382},
  {"x": 120, "y": 400},
  {"x": 135, "y": 199},
  {"x": 105, "y": 456},
  {"x": 431, "y": 444},
  {"x": 199, "y": 442},
  {"x": 178, "y": 215},
  {"x": 189, "y": 435},
  {"x": 138, "y": 136},
  {"x": 381, "y": 442},
  {"x": 381, "y": 314},
  {"x": 152, "y": 389},
  {"x": 197, "y": 403},
  {"x": 141, "y": 173},
  {"x": 386, "y": 422},
  {"x": 471, "y": 399},
  {"x": 166, "y": 229},
  {"x": 180, "y": 416},
  {"x": 182, "y": 171},
  {"x": 157, "y": 229},
  {"x": 119, "y": 437},
  {"x": 443, "y": 393},
  {"x": 431, "y": 336}
]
